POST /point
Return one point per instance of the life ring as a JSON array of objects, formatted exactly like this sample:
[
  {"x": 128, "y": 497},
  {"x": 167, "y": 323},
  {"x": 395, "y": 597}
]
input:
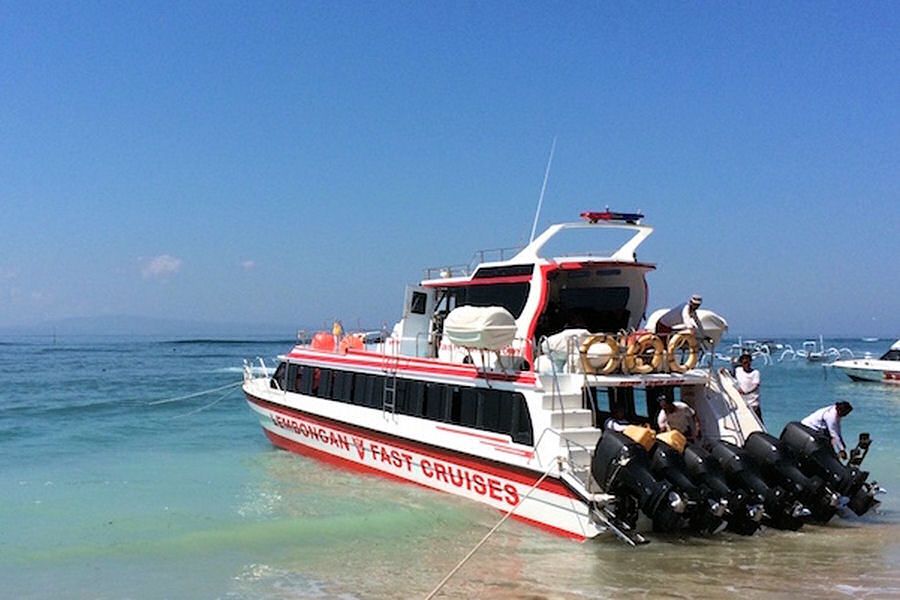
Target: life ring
[
  {"x": 636, "y": 359},
  {"x": 679, "y": 342},
  {"x": 601, "y": 338}
]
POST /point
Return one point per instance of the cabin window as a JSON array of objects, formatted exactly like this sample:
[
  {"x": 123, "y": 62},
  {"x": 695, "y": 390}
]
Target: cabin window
[
  {"x": 343, "y": 386},
  {"x": 306, "y": 380},
  {"x": 359, "y": 389},
  {"x": 375, "y": 391},
  {"x": 325, "y": 381},
  {"x": 595, "y": 308},
  {"x": 418, "y": 303},
  {"x": 278, "y": 378},
  {"x": 401, "y": 394},
  {"x": 507, "y": 271},
  {"x": 435, "y": 402},
  {"x": 415, "y": 401},
  {"x": 487, "y": 409},
  {"x": 468, "y": 407},
  {"x": 522, "y": 431},
  {"x": 511, "y": 296}
]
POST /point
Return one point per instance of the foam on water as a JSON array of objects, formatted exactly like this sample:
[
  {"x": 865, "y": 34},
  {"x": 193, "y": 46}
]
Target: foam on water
[{"x": 103, "y": 495}]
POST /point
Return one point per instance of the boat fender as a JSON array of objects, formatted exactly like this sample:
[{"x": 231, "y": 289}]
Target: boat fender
[
  {"x": 611, "y": 365},
  {"x": 686, "y": 341},
  {"x": 637, "y": 360}
]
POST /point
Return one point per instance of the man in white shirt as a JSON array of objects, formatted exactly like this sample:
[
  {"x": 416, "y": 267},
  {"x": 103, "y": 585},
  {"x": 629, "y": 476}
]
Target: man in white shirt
[
  {"x": 683, "y": 316},
  {"x": 679, "y": 416},
  {"x": 748, "y": 383},
  {"x": 828, "y": 419}
]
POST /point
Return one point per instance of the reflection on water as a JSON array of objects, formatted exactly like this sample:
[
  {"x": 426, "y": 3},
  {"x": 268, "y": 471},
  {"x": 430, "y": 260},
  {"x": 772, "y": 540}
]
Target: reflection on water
[{"x": 398, "y": 541}]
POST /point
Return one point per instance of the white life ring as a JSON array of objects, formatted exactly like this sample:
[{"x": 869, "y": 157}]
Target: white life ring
[
  {"x": 611, "y": 364},
  {"x": 681, "y": 341},
  {"x": 637, "y": 361}
]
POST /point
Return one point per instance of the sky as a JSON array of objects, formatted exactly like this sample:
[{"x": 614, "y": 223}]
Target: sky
[{"x": 292, "y": 163}]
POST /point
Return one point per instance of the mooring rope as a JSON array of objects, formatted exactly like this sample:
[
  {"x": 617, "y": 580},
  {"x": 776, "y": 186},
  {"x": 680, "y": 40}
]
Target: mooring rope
[
  {"x": 210, "y": 405},
  {"x": 509, "y": 513},
  {"x": 203, "y": 393}
]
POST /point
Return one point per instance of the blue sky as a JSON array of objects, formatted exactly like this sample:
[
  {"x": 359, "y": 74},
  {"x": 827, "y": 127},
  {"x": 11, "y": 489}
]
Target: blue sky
[{"x": 295, "y": 162}]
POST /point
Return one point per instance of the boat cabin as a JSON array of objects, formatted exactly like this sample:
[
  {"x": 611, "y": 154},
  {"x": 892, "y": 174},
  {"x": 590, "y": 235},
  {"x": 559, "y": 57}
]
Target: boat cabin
[{"x": 544, "y": 291}]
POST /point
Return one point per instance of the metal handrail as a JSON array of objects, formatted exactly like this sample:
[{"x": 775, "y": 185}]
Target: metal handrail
[{"x": 560, "y": 436}]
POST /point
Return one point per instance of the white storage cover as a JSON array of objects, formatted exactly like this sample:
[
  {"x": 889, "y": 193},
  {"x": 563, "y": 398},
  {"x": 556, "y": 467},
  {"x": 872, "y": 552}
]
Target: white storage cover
[{"x": 481, "y": 327}]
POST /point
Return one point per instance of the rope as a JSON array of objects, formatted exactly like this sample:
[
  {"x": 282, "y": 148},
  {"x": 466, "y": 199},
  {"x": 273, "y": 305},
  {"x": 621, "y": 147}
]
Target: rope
[
  {"x": 202, "y": 408},
  {"x": 509, "y": 513},
  {"x": 203, "y": 393}
]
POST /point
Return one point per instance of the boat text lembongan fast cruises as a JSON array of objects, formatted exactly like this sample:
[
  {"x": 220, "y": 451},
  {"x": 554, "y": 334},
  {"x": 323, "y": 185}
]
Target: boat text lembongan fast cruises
[{"x": 497, "y": 381}]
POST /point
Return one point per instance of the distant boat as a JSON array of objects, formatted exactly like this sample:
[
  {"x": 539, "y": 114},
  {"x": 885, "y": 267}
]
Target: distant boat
[
  {"x": 870, "y": 339},
  {"x": 884, "y": 370}
]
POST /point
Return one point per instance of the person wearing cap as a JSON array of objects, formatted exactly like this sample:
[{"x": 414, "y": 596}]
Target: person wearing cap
[
  {"x": 678, "y": 416},
  {"x": 748, "y": 383},
  {"x": 828, "y": 419},
  {"x": 683, "y": 316}
]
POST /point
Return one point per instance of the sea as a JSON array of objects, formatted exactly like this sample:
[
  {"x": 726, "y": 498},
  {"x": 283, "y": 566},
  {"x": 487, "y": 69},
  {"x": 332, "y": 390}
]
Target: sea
[{"x": 122, "y": 475}]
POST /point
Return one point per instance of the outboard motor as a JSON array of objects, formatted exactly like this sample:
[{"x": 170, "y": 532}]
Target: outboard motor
[
  {"x": 705, "y": 510},
  {"x": 622, "y": 468},
  {"x": 744, "y": 509},
  {"x": 816, "y": 457},
  {"x": 778, "y": 465},
  {"x": 783, "y": 510}
]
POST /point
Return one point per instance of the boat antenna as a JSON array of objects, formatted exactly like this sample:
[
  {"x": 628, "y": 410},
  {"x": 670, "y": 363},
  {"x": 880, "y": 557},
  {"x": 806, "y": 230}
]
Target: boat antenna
[{"x": 537, "y": 213}]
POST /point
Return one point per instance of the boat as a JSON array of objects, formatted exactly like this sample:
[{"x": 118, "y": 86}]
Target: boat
[
  {"x": 497, "y": 381},
  {"x": 885, "y": 369},
  {"x": 815, "y": 352}
]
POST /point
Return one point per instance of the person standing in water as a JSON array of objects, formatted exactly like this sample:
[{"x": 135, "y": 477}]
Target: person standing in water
[{"x": 748, "y": 383}]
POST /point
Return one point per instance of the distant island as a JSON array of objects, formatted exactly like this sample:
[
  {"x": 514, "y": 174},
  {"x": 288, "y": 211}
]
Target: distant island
[{"x": 149, "y": 326}]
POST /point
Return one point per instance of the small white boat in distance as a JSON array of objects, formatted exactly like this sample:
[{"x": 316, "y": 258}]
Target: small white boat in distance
[{"x": 885, "y": 369}]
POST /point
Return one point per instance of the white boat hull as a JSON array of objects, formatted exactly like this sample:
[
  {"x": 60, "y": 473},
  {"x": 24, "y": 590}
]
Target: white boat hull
[
  {"x": 552, "y": 506},
  {"x": 882, "y": 371}
]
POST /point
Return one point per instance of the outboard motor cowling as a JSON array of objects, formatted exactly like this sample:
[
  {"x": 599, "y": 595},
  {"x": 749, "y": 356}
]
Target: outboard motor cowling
[
  {"x": 744, "y": 509},
  {"x": 780, "y": 466},
  {"x": 622, "y": 468},
  {"x": 783, "y": 509},
  {"x": 816, "y": 457},
  {"x": 704, "y": 510}
]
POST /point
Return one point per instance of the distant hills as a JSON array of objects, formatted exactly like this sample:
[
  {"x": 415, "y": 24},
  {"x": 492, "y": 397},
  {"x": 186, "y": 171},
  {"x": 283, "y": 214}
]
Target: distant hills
[{"x": 135, "y": 325}]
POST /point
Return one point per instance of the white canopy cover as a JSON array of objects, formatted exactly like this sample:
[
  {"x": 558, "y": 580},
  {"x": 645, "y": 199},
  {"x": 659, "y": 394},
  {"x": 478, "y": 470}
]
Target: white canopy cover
[{"x": 480, "y": 327}]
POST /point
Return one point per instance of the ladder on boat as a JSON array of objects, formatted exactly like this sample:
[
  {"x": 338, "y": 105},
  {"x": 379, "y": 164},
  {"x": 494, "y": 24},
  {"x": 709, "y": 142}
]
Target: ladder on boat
[{"x": 390, "y": 365}]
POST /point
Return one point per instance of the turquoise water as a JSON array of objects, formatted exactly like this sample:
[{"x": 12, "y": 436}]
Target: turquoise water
[{"x": 106, "y": 495}]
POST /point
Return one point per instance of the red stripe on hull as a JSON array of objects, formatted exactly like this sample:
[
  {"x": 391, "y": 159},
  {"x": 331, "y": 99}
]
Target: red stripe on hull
[
  {"x": 512, "y": 472},
  {"x": 405, "y": 364},
  {"x": 350, "y": 465}
]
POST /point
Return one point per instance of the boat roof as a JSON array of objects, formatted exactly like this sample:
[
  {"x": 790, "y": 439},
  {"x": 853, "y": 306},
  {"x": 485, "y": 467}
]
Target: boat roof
[{"x": 522, "y": 263}]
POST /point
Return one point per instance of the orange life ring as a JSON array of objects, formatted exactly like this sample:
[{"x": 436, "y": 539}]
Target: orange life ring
[
  {"x": 637, "y": 361},
  {"x": 684, "y": 340},
  {"x": 601, "y": 338}
]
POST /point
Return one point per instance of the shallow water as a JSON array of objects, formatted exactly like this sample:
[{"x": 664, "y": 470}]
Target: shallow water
[{"x": 104, "y": 495}]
